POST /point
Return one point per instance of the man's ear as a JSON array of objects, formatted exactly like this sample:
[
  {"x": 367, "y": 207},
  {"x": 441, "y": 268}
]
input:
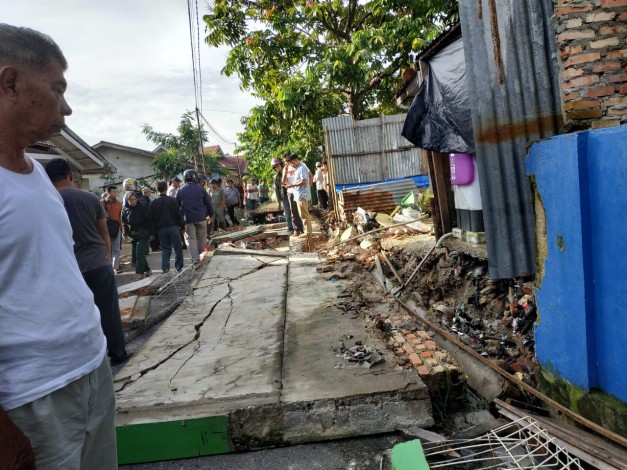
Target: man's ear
[{"x": 8, "y": 81}]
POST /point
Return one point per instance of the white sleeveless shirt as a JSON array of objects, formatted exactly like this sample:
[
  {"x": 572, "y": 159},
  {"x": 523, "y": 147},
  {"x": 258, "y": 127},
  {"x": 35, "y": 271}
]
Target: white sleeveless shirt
[{"x": 50, "y": 333}]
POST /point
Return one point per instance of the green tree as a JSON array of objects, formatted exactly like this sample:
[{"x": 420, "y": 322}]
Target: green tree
[
  {"x": 310, "y": 59},
  {"x": 183, "y": 150}
]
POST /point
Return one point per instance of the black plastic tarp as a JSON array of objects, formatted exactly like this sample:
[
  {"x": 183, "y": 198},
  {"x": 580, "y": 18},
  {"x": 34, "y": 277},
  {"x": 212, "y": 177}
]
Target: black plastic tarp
[{"x": 439, "y": 119}]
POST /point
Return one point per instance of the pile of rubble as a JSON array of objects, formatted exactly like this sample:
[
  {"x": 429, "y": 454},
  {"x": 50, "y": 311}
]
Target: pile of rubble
[{"x": 493, "y": 317}]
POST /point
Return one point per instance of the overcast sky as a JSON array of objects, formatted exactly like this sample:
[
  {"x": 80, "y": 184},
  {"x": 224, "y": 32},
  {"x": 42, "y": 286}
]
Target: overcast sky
[{"x": 130, "y": 64}]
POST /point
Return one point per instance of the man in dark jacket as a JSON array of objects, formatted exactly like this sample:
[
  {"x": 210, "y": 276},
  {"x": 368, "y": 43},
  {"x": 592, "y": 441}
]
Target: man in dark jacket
[
  {"x": 197, "y": 210},
  {"x": 168, "y": 222}
]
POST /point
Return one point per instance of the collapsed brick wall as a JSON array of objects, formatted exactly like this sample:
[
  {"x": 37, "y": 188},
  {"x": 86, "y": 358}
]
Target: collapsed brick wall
[{"x": 592, "y": 42}]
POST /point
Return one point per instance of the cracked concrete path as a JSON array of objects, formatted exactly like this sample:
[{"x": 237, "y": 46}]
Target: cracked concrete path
[
  {"x": 222, "y": 344},
  {"x": 257, "y": 345}
]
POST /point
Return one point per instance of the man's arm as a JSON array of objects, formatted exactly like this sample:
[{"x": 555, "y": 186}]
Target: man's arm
[
  {"x": 15, "y": 448},
  {"x": 104, "y": 233}
]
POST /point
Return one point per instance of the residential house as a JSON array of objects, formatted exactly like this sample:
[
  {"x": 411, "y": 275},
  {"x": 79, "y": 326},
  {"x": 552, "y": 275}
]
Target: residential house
[
  {"x": 231, "y": 166},
  {"x": 130, "y": 162},
  {"x": 87, "y": 164}
]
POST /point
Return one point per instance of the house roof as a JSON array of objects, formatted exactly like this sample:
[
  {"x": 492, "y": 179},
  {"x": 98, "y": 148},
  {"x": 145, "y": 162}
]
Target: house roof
[
  {"x": 235, "y": 163},
  {"x": 213, "y": 149},
  {"x": 105, "y": 144},
  {"x": 69, "y": 145}
]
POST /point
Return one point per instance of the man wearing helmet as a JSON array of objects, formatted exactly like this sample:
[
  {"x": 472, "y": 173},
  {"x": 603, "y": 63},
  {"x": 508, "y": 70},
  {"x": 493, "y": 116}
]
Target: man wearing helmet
[{"x": 196, "y": 207}]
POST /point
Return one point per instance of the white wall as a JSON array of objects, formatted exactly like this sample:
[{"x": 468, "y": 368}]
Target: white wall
[{"x": 128, "y": 164}]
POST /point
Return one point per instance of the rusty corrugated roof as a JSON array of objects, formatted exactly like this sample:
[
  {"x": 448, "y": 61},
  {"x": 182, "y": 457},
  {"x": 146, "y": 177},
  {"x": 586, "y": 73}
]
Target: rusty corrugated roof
[{"x": 512, "y": 71}]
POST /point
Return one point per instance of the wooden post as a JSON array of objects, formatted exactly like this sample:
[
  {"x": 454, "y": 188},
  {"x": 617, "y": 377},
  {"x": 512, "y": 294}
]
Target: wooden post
[
  {"x": 331, "y": 168},
  {"x": 439, "y": 173}
]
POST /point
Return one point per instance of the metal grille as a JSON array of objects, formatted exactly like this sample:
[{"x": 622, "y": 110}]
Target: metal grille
[
  {"x": 169, "y": 291},
  {"x": 520, "y": 444}
]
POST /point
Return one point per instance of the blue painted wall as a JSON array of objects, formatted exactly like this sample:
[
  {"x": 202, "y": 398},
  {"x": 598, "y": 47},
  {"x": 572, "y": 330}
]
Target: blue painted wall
[{"x": 582, "y": 301}]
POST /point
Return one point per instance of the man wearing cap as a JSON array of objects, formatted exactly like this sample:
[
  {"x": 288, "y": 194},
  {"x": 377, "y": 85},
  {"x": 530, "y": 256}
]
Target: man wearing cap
[{"x": 298, "y": 184}]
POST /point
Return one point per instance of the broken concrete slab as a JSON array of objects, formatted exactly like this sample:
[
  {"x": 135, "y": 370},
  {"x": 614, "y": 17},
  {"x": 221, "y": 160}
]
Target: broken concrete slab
[
  {"x": 349, "y": 400},
  {"x": 221, "y": 357},
  {"x": 142, "y": 287}
]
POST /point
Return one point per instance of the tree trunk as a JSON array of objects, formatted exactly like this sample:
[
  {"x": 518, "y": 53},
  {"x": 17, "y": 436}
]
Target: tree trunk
[{"x": 353, "y": 101}]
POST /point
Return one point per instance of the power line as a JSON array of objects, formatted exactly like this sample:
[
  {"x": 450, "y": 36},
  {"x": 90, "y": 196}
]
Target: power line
[{"x": 215, "y": 132}]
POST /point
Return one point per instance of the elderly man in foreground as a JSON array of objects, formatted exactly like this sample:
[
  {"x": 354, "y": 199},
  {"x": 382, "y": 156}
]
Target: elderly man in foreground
[{"x": 56, "y": 392}]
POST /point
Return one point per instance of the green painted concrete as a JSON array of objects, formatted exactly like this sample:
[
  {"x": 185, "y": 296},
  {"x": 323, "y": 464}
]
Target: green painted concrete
[
  {"x": 599, "y": 407},
  {"x": 171, "y": 440},
  {"x": 409, "y": 456}
]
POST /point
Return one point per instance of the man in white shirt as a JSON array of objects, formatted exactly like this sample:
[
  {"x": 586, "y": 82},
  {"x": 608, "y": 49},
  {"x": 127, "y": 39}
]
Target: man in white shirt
[
  {"x": 174, "y": 186},
  {"x": 57, "y": 406},
  {"x": 319, "y": 178},
  {"x": 298, "y": 184}
]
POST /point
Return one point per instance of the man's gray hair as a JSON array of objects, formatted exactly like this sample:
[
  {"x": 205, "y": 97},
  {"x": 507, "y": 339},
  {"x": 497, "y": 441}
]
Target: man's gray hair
[{"x": 19, "y": 45}]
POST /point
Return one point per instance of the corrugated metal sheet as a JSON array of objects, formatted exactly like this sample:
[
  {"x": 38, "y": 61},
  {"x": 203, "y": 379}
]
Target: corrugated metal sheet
[
  {"x": 511, "y": 62},
  {"x": 370, "y": 150},
  {"x": 381, "y": 197}
]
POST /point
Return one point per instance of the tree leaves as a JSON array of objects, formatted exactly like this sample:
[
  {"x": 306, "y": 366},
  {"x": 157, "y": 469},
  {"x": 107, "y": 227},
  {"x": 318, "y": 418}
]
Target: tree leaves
[{"x": 311, "y": 59}]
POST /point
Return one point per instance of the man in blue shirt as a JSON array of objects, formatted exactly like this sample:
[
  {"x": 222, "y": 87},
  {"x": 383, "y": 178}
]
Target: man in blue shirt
[{"x": 197, "y": 210}]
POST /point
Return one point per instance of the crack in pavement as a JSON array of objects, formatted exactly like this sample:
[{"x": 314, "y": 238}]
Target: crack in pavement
[{"x": 127, "y": 380}]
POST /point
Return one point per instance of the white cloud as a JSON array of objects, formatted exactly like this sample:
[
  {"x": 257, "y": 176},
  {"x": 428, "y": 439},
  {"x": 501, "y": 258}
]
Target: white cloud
[{"x": 130, "y": 64}]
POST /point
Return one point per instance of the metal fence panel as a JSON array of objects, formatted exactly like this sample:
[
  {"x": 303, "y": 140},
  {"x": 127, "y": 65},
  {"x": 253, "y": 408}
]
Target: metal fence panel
[
  {"x": 511, "y": 62},
  {"x": 371, "y": 150}
]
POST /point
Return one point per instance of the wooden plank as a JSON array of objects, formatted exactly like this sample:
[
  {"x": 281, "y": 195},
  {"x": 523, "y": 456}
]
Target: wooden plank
[
  {"x": 234, "y": 236},
  {"x": 244, "y": 252},
  {"x": 152, "y": 442},
  {"x": 440, "y": 178}
]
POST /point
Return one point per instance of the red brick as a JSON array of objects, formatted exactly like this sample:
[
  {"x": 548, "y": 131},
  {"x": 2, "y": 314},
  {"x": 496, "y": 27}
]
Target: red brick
[
  {"x": 426, "y": 354},
  {"x": 415, "y": 360},
  {"x": 605, "y": 123},
  {"x": 408, "y": 349},
  {"x": 411, "y": 336},
  {"x": 601, "y": 91},
  {"x": 584, "y": 114},
  {"x": 574, "y": 23},
  {"x": 577, "y": 49},
  {"x": 617, "y": 111},
  {"x": 600, "y": 16},
  {"x": 582, "y": 104},
  {"x": 617, "y": 78},
  {"x": 614, "y": 29},
  {"x": 582, "y": 81},
  {"x": 431, "y": 345},
  {"x": 606, "y": 66},
  {"x": 572, "y": 35},
  {"x": 623, "y": 89},
  {"x": 613, "y": 3},
  {"x": 571, "y": 96},
  {"x": 582, "y": 58},
  {"x": 615, "y": 101},
  {"x": 569, "y": 10},
  {"x": 603, "y": 43},
  {"x": 623, "y": 16},
  {"x": 621, "y": 53},
  {"x": 423, "y": 372}
]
